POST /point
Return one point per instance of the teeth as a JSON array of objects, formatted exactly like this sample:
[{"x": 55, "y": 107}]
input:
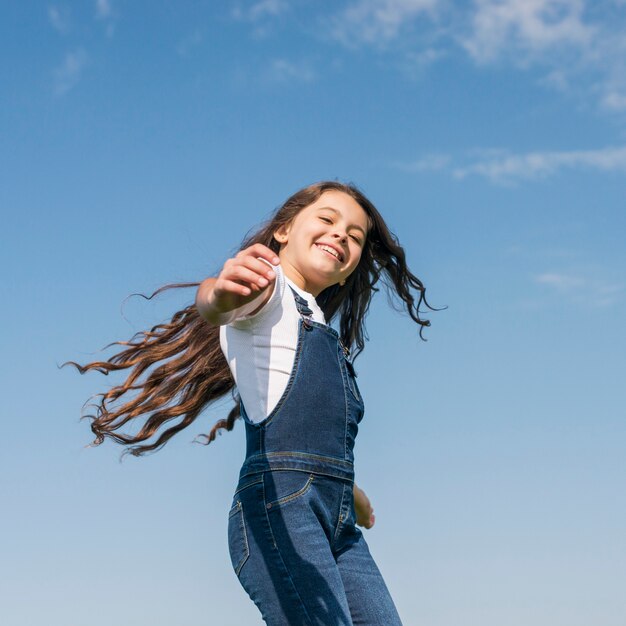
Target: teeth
[{"x": 329, "y": 249}]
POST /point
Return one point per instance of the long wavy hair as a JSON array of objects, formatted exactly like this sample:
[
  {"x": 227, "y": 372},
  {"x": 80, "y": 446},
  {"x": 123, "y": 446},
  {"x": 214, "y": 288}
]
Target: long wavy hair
[{"x": 181, "y": 361}]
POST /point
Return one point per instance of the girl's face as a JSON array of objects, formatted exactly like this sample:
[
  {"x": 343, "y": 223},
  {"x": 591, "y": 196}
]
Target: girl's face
[{"x": 323, "y": 243}]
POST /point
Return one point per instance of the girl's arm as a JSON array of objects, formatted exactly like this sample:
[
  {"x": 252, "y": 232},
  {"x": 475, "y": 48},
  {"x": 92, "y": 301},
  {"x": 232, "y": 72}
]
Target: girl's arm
[
  {"x": 241, "y": 288},
  {"x": 364, "y": 512}
]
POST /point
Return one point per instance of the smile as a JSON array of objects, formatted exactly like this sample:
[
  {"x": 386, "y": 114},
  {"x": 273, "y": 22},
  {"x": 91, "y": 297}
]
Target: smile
[{"x": 330, "y": 251}]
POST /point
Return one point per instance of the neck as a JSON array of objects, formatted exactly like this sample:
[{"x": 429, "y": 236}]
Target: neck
[{"x": 298, "y": 279}]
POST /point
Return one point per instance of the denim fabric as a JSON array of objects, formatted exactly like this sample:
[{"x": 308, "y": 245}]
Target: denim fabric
[{"x": 292, "y": 537}]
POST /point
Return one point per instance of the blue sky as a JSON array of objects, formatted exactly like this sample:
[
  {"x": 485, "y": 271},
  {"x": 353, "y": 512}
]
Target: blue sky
[{"x": 141, "y": 141}]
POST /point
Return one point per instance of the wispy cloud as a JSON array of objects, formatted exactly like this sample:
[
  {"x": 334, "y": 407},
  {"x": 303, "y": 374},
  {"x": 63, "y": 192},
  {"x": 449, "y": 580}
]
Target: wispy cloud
[
  {"x": 507, "y": 168},
  {"x": 502, "y": 167},
  {"x": 575, "y": 46},
  {"x": 588, "y": 287},
  {"x": 188, "y": 43},
  {"x": 426, "y": 57},
  {"x": 524, "y": 28},
  {"x": 258, "y": 10},
  {"x": 560, "y": 282},
  {"x": 376, "y": 21},
  {"x": 429, "y": 162},
  {"x": 579, "y": 51},
  {"x": 103, "y": 9},
  {"x": 67, "y": 75},
  {"x": 615, "y": 100},
  {"x": 283, "y": 70},
  {"x": 59, "y": 19},
  {"x": 106, "y": 14}
]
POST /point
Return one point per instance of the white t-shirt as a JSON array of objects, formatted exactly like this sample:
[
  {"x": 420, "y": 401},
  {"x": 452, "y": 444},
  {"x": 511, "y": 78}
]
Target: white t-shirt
[{"x": 260, "y": 348}]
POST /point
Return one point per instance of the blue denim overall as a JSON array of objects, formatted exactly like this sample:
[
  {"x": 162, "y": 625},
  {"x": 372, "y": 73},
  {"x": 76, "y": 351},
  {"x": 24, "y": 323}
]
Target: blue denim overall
[{"x": 292, "y": 536}]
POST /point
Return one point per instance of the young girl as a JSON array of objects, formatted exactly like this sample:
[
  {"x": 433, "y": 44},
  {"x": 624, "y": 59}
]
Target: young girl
[{"x": 262, "y": 325}]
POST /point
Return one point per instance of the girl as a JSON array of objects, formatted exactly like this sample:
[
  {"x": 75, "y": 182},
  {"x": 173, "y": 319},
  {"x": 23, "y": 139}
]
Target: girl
[{"x": 262, "y": 325}]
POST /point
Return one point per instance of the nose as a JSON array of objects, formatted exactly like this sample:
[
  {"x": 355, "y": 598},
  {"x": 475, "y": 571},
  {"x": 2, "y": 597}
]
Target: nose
[{"x": 343, "y": 237}]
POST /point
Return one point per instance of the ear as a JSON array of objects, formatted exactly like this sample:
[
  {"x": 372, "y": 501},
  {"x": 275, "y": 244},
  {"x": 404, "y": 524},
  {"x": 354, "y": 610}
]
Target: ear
[{"x": 281, "y": 234}]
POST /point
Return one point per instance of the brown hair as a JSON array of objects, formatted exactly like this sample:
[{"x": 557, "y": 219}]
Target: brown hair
[{"x": 191, "y": 370}]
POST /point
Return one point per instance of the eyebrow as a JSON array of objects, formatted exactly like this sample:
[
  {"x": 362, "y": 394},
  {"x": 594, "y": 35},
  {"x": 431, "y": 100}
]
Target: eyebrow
[{"x": 329, "y": 208}]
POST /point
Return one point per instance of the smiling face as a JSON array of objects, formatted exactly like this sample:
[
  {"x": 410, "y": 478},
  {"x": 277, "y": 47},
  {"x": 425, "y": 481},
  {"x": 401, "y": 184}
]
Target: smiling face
[{"x": 322, "y": 245}]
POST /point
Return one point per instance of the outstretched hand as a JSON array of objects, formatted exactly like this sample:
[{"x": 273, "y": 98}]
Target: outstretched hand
[
  {"x": 242, "y": 278},
  {"x": 364, "y": 512}
]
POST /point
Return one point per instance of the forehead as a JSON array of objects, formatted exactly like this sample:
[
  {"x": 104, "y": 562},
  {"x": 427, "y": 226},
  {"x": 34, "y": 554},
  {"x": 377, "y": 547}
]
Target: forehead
[{"x": 341, "y": 203}]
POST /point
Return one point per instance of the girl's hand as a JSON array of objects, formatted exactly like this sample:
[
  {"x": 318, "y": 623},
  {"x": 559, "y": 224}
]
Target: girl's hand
[
  {"x": 364, "y": 512},
  {"x": 241, "y": 280}
]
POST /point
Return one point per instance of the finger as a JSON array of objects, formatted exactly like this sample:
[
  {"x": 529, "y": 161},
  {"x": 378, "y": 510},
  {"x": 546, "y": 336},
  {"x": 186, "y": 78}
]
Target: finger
[
  {"x": 259, "y": 250},
  {"x": 248, "y": 276},
  {"x": 260, "y": 268},
  {"x": 230, "y": 286},
  {"x": 256, "y": 265}
]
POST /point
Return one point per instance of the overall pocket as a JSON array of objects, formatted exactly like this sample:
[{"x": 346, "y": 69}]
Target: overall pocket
[
  {"x": 237, "y": 537},
  {"x": 285, "y": 486}
]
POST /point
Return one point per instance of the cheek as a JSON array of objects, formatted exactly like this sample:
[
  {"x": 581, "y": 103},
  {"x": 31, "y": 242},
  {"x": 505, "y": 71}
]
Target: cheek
[
  {"x": 309, "y": 234},
  {"x": 356, "y": 256}
]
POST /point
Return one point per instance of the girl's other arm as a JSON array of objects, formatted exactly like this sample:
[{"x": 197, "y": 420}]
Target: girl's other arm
[
  {"x": 243, "y": 283},
  {"x": 362, "y": 507}
]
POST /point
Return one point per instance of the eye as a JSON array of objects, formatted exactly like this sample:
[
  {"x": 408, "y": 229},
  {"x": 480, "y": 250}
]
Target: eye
[
  {"x": 356, "y": 239},
  {"x": 326, "y": 219}
]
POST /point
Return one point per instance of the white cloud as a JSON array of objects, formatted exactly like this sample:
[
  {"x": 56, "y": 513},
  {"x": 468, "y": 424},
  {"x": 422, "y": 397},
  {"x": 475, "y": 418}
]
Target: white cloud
[
  {"x": 430, "y": 162},
  {"x": 378, "y": 21},
  {"x": 561, "y": 282},
  {"x": 258, "y": 10},
  {"x": 500, "y": 166},
  {"x": 186, "y": 45},
  {"x": 67, "y": 75},
  {"x": 580, "y": 45},
  {"x": 529, "y": 27},
  {"x": 577, "y": 47},
  {"x": 282, "y": 70},
  {"x": 611, "y": 56},
  {"x": 59, "y": 19},
  {"x": 509, "y": 167},
  {"x": 615, "y": 100},
  {"x": 557, "y": 79},
  {"x": 581, "y": 52},
  {"x": 583, "y": 287},
  {"x": 426, "y": 57},
  {"x": 611, "y": 290},
  {"x": 103, "y": 9},
  {"x": 105, "y": 14}
]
